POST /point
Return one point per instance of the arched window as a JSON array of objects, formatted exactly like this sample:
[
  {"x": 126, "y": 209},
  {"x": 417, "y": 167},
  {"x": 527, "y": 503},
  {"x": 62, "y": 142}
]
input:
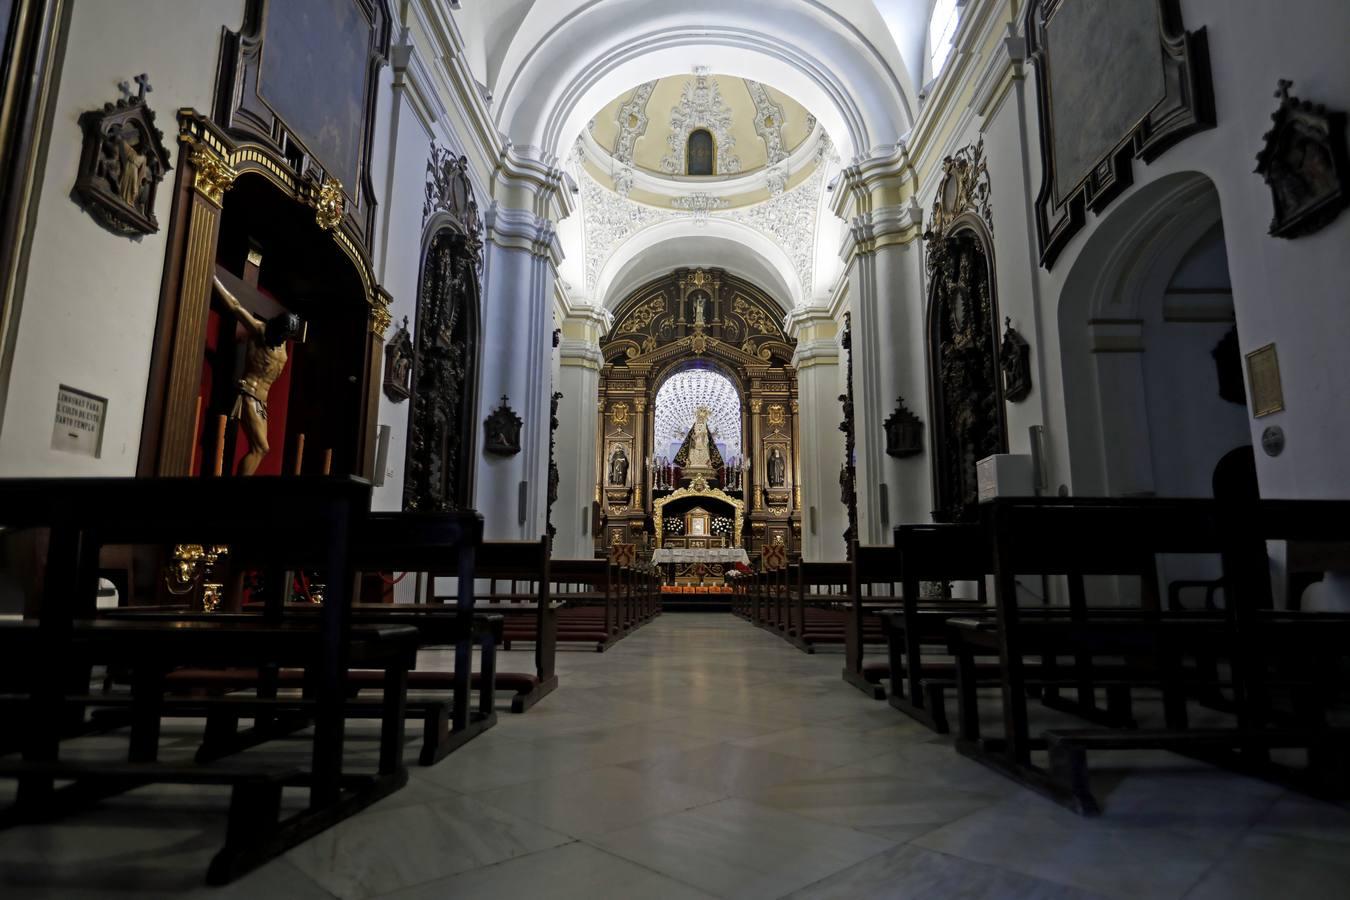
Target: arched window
[
  {"x": 700, "y": 154},
  {"x": 941, "y": 30}
]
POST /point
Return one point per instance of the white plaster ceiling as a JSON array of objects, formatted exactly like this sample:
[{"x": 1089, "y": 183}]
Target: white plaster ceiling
[{"x": 856, "y": 64}]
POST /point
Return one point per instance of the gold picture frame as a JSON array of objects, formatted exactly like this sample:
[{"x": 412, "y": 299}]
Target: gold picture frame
[{"x": 1263, "y": 381}]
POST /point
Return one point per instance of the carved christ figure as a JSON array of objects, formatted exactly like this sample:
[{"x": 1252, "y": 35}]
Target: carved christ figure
[{"x": 263, "y": 364}]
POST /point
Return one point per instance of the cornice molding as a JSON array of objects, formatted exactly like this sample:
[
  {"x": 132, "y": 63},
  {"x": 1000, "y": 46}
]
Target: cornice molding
[
  {"x": 1006, "y": 65},
  {"x": 412, "y": 75},
  {"x": 870, "y": 232},
  {"x": 822, "y": 352},
  {"x": 458, "y": 89},
  {"x": 520, "y": 229},
  {"x": 581, "y": 354}
]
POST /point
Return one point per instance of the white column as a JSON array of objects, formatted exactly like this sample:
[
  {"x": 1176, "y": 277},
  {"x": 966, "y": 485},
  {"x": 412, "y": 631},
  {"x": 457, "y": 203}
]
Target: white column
[
  {"x": 817, "y": 361},
  {"x": 886, "y": 299},
  {"x": 576, "y": 452},
  {"x": 519, "y": 273}
]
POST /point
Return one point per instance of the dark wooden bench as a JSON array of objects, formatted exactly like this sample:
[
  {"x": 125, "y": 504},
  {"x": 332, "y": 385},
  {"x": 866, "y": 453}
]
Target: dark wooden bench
[
  {"x": 518, "y": 575},
  {"x": 589, "y": 611},
  {"x": 275, "y": 525},
  {"x": 1264, "y": 651},
  {"x": 431, "y": 543},
  {"x": 872, "y": 589}
]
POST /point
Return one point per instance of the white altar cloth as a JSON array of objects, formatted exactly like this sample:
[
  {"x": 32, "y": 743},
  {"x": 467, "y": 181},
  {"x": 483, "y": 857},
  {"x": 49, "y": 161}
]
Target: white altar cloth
[{"x": 717, "y": 555}]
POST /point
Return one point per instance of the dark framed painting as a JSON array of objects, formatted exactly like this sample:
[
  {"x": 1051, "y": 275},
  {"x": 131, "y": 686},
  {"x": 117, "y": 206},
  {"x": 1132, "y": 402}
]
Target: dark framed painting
[{"x": 1116, "y": 81}]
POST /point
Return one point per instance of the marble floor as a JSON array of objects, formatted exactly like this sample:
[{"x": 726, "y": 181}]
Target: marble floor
[{"x": 702, "y": 757}]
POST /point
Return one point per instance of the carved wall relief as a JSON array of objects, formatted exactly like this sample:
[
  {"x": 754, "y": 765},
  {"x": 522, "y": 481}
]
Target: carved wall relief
[
  {"x": 398, "y": 364},
  {"x": 122, "y": 163},
  {"x": 439, "y": 469},
  {"x": 904, "y": 431},
  {"x": 501, "y": 430},
  {"x": 1015, "y": 359},
  {"x": 1304, "y": 161}
]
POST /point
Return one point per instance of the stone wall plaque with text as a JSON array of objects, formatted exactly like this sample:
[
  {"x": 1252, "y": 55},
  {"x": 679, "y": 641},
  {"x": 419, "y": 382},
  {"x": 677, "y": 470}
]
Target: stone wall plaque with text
[{"x": 78, "y": 424}]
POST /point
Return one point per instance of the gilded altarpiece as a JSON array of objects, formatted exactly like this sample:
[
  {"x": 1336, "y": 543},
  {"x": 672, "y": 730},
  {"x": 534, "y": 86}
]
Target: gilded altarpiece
[{"x": 699, "y": 319}]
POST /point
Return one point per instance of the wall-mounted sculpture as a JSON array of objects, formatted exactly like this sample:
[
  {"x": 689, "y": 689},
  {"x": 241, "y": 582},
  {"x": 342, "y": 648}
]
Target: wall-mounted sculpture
[
  {"x": 501, "y": 430},
  {"x": 1304, "y": 162},
  {"x": 1015, "y": 359},
  {"x": 904, "y": 431},
  {"x": 1116, "y": 82},
  {"x": 122, "y": 162},
  {"x": 398, "y": 364}
]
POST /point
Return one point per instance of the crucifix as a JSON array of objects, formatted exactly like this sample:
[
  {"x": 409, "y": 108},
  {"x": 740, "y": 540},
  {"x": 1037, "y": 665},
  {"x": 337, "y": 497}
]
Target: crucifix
[{"x": 265, "y": 358}]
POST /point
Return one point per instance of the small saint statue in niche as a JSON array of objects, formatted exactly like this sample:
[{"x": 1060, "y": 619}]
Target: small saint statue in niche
[
  {"x": 263, "y": 364},
  {"x": 777, "y": 468},
  {"x": 618, "y": 467},
  {"x": 135, "y": 173}
]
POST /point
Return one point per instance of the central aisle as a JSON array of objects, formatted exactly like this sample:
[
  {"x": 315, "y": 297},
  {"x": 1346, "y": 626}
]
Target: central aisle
[{"x": 704, "y": 757}]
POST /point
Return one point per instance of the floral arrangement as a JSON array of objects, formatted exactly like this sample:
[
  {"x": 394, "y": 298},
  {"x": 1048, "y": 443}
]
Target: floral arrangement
[
  {"x": 675, "y": 526},
  {"x": 721, "y": 525}
]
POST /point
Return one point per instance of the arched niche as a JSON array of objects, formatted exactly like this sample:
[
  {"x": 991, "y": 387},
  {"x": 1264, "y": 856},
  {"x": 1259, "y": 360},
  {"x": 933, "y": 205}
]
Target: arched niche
[
  {"x": 962, "y": 331},
  {"x": 700, "y": 155},
  {"x": 443, "y": 418}
]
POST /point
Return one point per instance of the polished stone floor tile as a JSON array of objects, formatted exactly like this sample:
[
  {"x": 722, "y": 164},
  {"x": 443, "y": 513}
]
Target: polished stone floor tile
[
  {"x": 392, "y": 849},
  {"x": 740, "y": 849},
  {"x": 728, "y": 769},
  {"x": 574, "y": 872},
  {"x": 1028, "y": 834},
  {"x": 702, "y": 757},
  {"x": 1265, "y": 866},
  {"x": 591, "y": 803},
  {"x": 897, "y": 808},
  {"x": 912, "y": 873}
]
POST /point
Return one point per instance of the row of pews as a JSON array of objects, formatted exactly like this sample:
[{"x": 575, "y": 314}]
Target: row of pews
[
  {"x": 274, "y": 663},
  {"x": 1043, "y": 634}
]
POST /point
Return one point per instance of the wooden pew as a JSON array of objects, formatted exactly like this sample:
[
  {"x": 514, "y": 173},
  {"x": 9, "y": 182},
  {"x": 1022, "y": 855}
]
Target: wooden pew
[
  {"x": 814, "y": 610},
  {"x": 274, "y": 524},
  {"x": 423, "y": 542},
  {"x": 939, "y": 553},
  {"x": 872, "y": 588},
  {"x": 589, "y": 612},
  {"x": 518, "y": 576},
  {"x": 1265, "y": 650}
]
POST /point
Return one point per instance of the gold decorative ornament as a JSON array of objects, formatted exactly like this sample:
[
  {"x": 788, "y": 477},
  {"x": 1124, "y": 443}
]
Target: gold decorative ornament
[
  {"x": 189, "y": 565},
  {"x": 777, "y": 414},
  {"x": 214, "y": 176},
  {"x": 964, "y": 188},
  {"x": 618, "y": 414},
  {"x": 380, "y": 316},
  {"x": 697, "y": 488},
  {"x": 329, "y": 205},
  {"x": 211, "y": 596}
]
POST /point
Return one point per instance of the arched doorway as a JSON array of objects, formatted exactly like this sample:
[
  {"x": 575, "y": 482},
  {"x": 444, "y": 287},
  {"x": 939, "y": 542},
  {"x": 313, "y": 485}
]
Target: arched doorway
[
  {"x": 1151, "y": 367},
  {"x": 1152, "y": 373}
]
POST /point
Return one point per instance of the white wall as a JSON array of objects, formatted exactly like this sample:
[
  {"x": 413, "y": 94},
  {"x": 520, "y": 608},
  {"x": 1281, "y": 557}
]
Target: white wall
[{"x": 91, "y": 297}]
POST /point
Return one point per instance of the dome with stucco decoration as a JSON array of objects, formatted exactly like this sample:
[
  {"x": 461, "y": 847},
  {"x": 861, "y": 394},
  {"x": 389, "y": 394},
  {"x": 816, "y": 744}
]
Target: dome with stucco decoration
[{"x": 701, "y": 125}]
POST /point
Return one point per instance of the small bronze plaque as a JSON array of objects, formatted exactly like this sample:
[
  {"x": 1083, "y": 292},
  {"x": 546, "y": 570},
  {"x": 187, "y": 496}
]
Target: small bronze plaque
[{"x": 1263, "y": 377}]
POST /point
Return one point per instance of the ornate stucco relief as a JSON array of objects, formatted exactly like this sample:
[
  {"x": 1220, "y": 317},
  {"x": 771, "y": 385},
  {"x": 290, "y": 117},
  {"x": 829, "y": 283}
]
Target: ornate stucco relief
[
  {"x": 788, "y": 219},
  {"x": 701, "y": 106}
]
